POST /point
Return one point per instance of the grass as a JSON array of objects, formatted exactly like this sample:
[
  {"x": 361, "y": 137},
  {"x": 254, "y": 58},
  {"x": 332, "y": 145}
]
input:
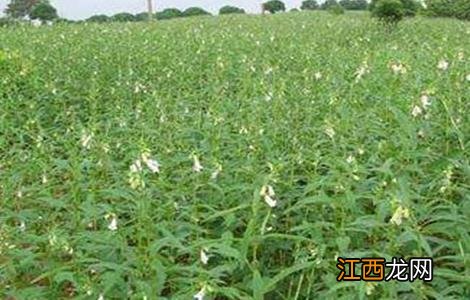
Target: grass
[{"x": 306, "y": 103}]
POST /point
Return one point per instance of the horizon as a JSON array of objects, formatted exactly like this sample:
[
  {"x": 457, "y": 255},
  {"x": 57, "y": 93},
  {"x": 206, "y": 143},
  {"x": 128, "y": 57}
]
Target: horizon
[{"x": 83, "y": 9}]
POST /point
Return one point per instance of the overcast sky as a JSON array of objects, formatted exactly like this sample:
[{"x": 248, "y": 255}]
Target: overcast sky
[{"x": 80, "y": 9}]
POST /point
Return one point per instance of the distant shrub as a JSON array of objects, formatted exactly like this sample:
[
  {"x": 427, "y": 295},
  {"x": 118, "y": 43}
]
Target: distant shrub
[
  {"x": 354, "y": 4},
  {"x": 63, "y": 21},
  {"x": 462, "y": 9},
  {"x": 7, "y": 21},
  {"x": 98, "y": 19},
  {"x": 448, "y": 8},
  {"x": 274, "y": 6},
  {"x": 123, "y": 17},
  {"x": 143, "y": 16},
  {"x": 44, "y": 12},
  {"x": 328, "y": 3},
  {"x": 169, "y": 13},
  {"x": 410, "y": 7},
  {"x": 390, "y": 11},
  {"x": 294, "y": 10},
  {"x": 336, "y": 9},
  {"x": 231, "y": 10},
  {"x": 309, "y": 5},
  {"x": 195, "y": 11}
]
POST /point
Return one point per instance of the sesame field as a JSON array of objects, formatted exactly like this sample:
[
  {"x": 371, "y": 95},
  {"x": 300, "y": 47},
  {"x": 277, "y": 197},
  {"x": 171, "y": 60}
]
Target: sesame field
[{"x": 233, "y": 157}]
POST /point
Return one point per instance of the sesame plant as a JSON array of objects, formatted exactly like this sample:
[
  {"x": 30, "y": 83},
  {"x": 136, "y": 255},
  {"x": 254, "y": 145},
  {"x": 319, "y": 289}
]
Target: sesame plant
[{"x": 233, "y": 158}]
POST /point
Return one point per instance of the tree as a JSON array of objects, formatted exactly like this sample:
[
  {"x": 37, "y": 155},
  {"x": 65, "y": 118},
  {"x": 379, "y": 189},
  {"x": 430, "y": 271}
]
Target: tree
[
  {"x": 143, "y": 16},
  {"x": 231, "y": 10},
  {"x": 328, "y": 3},
  {"x": 123, "y": 17},
  {"x": 98, "y": 19},
  {"x": 309, "y": 5},
  {"x": 389, "y": 11},
  {"x": 461, "y": 9},
  {"x": 169, "y": 13},
  {"x": 274, "y": 6},
  {"x": 409, "y": 7},
  {"x": 195, "y": 11},
  {"x": 336, "y": 9},
  {"x": 20, "y": 8},
  {"x": 354, "y": 4},
  {"x": 44, "y": 12},
  {"x": 448, "y": 8}
]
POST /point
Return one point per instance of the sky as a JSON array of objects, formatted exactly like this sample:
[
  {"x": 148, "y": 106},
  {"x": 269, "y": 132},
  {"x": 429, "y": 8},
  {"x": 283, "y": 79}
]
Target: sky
[{"x": 82, "y": 9}]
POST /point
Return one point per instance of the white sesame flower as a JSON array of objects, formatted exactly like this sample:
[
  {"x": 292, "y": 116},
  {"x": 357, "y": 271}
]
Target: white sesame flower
[
  {"x": 369, "y": 288},
  {"x": 85, "y": 140},
  {"x": 350, "y": 159},
  {"x": 460, "y": 55},
  {"x": 425, "y": 101},
  {"x": 200, "y": 295},
  {"x": 268, "y": 97},
  {"x": 267, "y": 192},
  {"x": 443, "y": 65},
  {"x": 52, "y": 239},
  {"x": 361, "y": 71},
  {"x": 101, "y": 297},
  {"x": 44, "y": 179},
  {"x": 318, "y": 75},
  {"x": 400, "y": 214},
  {"x": 113, "y": 226},
  {"x": 330, "y": 132},
  {"x": 421, "y": 133},
  {"x": 136, "y": 166},
  {"x": 416, "y": 111},
  {"x": 360, "y": 151},
  {"x": 216, "y": 173},
  {"x": 22, "y": 226},
  {"x": 467, "y": 77},
  {"x": 203, "y": 256},
  {"x": 197, "y": 167},
  {"x": 19, "y": 194},
  {"x": 105, "y": 148},
  {"x": 398, "y": 68},
  {"x": 152, "y": 164}
]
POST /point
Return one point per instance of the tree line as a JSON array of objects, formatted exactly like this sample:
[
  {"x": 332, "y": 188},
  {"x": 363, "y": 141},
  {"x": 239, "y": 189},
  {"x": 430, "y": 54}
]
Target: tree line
[{"x": 44, "y": 11}]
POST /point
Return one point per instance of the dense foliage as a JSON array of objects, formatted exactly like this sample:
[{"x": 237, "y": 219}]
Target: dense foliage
[
  {"x": 169, "y": 13},
  {"x": 328, "y": 3},
  {"x": 309, "y": 5},
  {"x": 233, "y": 157},
  {"x": 274, "y": 6},
  {"x": 143, "y": 16},
  {"x": 448, "y": 8},
  {"x": 409, "y": 8},
  {"x": 225, "y": 10},
  {"x": 336, "y": 9},
  {"x": 20, "y": 8},
  {"x": 43, "y": 11},
  {"x": 390, "y": 11},
  {"x": 98, "y": 19},
  {"x": 123, "y": 17},
  {"x": 195, "y": 11},
  {"x": 354, "y": 4}
]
